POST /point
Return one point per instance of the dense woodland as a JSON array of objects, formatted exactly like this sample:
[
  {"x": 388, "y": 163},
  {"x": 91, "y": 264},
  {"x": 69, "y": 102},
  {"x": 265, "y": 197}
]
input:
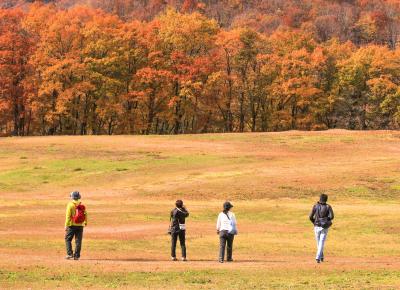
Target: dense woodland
[{"x": 172, "y": 67}]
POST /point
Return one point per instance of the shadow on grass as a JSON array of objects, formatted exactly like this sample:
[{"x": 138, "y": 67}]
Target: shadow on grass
[
  {"x": 189, "y": 260},
  {"x": 125, "y": 260}
]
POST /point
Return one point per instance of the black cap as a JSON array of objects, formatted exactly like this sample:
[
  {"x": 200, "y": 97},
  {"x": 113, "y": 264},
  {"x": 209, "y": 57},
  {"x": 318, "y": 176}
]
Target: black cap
[{"x": 227, "y": 205}]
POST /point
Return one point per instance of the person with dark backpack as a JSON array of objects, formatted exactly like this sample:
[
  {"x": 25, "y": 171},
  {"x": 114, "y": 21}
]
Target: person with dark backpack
[
  {"x": 76, "y": 219},
  {"x": 226, "y": 229},
  {"x": 177, "y": 229},
  {"x": 321, "y": 216}
]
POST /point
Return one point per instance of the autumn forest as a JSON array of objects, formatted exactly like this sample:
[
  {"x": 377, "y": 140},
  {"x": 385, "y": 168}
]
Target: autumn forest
[{"x": 173, "y": 67}]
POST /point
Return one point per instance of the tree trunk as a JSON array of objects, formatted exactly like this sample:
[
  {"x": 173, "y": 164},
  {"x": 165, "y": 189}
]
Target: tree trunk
[
  {"x": 241, "y": 112},
  {"x": 150, "y": 114}
]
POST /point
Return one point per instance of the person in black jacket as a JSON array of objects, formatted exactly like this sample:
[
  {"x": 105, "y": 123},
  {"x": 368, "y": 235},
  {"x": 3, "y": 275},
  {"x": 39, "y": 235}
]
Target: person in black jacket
[
  {"x": 178, "y": 229},
  {"x": 321, "y": 216}
]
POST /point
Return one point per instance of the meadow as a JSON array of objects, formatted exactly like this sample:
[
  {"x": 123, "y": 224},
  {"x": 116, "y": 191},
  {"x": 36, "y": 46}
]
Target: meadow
[{"x": 130, "y": 183}]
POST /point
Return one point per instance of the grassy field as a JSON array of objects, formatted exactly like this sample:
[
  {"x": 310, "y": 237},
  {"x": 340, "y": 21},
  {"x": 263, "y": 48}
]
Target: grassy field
[{"x": 129, "y": 185}]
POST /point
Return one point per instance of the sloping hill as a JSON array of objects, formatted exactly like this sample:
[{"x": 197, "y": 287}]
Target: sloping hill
[{"x": 364, "y": 21}]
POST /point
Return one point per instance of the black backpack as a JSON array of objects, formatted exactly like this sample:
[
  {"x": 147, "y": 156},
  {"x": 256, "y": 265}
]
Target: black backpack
[{"x": 323, "y": 222}]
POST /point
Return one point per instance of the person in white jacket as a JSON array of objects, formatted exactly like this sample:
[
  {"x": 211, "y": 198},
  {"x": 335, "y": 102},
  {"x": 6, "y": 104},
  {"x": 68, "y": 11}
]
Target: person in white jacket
[{"x": 226, "y": 229}]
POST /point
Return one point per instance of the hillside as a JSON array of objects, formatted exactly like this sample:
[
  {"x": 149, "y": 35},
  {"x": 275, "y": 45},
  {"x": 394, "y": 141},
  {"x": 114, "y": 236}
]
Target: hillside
[
  {"x": 359, "y": 21},
  {"x": 246, "y": 166}
]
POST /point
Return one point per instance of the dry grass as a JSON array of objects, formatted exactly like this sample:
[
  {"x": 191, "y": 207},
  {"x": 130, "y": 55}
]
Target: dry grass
[{"x": 129, "y": 184}]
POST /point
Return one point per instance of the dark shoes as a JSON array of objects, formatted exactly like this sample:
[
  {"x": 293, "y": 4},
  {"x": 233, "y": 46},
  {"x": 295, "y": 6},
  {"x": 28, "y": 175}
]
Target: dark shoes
[
  {"x": 228, "y": 260},
  {"x": 318, "y": 261},
  {"x": 70, "y": 257},
  {"x": 322, "y": 259},
  {"x": 175, "y": 259}
]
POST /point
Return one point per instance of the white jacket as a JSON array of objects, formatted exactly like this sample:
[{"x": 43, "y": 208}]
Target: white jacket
[{"x": 227, "y": 224}]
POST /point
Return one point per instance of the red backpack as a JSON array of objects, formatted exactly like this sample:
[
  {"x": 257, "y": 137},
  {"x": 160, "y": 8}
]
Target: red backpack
[{"x": 79, "y": 216}]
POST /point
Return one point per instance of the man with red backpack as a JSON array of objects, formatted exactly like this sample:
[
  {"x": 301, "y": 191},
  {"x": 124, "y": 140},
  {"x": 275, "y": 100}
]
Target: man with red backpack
[{"x": 76, "y": 219}]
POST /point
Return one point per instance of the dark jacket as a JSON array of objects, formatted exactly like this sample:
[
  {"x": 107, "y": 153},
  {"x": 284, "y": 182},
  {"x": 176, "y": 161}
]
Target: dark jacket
[
  {"x": 321, "y": 210},
  {"x": 178, "y": 216}
]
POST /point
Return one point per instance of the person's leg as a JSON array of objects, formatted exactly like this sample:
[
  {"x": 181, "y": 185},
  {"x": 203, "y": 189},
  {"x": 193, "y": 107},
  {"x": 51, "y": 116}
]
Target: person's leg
[
  {"x": 69, "y": 235},
  {"x": 78, "y": 242},
  {"x": 222, "y": 242},
  {"x": 229, "y": 247},
  {"x": 182, "y": 237},
  {"x": 317, "y": 237},
  {"x": 174, "y": 237},
  {"x": 322, "y": 239}
]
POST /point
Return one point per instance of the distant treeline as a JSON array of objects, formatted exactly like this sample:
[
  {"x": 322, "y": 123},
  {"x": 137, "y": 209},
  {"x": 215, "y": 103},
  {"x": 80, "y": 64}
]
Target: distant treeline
[{"x": 82, "y": 70}]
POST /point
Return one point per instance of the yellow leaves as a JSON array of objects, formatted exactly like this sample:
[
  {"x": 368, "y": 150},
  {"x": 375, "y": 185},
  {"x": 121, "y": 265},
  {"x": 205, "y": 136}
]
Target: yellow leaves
[
  {"x": 366, "y": 27},
  {"x": 191, "y": 33},
  {"x": 148, "y": 75},
  {"x": 318, "y": 57},
  {"x": 368, "y": 63},
  {"x": 284, "y": 41},
  {"x": 381, "y": 87},
  {"x": 337, "y": 50},
  {"x": 229, "y": 40},
  {"x": 216, "y": 77}
]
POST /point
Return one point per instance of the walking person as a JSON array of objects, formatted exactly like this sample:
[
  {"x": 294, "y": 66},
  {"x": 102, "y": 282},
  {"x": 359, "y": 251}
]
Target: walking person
[
  {"x": 76, "y": 219},
  {"x": 226, "y": 229},
  {"x": 178, "y": 229},
  {"x": 321, "y": 216}
]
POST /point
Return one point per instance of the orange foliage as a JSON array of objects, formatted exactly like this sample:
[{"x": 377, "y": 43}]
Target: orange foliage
[{"x": 214, "y": 66}]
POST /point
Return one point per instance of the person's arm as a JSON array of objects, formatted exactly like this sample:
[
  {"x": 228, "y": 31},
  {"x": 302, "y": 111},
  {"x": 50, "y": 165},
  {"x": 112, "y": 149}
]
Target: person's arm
[
  {"x": 218, "y": 223},
  {"x": 171, "y": 218},
  {"x": 330, "y": 213},
  {"x": 86, "y": 218},
  {"x": 185, "y": 212},
  {"x": 312, "y": 214},
  {"x": 68, "y": 214}
]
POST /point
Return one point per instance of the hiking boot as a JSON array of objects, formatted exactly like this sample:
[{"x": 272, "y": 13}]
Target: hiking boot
[
  {"x": 174, "y": 259},
  {"x": 184, "y": 259},
  {"x": 229, "y": 260},
  {"x": 69, "y": 257},
  {"x": 322, "y": 259},
  {"x": 76, "y": 258},
  {"x": 221, "y": 261},
  {"x": 318, "y": 261}
]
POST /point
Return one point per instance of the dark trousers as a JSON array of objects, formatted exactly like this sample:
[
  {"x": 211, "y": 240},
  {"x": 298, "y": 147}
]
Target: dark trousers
[
  {"x": 225, "y": 238},
  {"x": 77, "y": 232},
  {"x": 174, "y": 237}
]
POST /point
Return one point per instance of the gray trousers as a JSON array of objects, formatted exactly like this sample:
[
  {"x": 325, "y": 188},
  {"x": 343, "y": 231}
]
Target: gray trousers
[
  {"x": 225, "y": 238},
  {"x": 174, "y": 237},
  {"x": 77, "y": 232}
]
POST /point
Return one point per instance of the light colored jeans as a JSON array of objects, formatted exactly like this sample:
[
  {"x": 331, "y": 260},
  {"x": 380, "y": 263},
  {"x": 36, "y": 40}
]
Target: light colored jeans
[{"x": 320, "y": 237}]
